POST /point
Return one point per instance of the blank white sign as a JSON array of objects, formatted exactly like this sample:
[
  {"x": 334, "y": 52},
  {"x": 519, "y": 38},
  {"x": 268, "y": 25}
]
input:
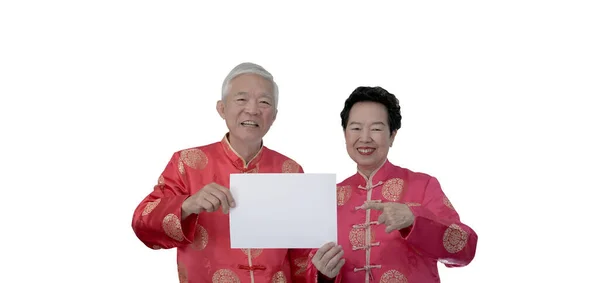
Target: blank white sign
[{"x": 283, "y": 210}]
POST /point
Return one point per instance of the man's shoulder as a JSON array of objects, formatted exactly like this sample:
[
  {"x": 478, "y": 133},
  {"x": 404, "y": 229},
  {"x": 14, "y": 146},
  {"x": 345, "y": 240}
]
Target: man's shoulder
[
  {"x": 276, "y": 154},
  {"x": 200, "y": 149},
  {"x": 280, "y": 158}
]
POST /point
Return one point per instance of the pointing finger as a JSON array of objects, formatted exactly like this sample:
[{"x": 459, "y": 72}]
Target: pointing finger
[{"x": 373, "y": 205}]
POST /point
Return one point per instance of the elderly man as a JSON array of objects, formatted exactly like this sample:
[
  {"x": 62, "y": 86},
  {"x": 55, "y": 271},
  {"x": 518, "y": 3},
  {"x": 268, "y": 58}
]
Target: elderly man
[
  {"x": 394, "y": 225},
  {"x": 188, "y": 207}
]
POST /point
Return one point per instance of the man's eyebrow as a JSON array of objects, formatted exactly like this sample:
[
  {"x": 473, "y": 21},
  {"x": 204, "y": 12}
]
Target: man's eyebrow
[{"x": 265, "y": 94}]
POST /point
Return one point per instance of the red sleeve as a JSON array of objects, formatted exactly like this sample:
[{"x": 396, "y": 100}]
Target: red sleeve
[
  {"x": 314, "y": 276},
  {"x": 298, "y": 264},
  {"x": 157, "y": 219},
  {"x": 437, "y": 231}
]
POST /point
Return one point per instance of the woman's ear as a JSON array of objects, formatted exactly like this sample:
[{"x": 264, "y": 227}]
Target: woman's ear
[{"x": 393, "y": 137}]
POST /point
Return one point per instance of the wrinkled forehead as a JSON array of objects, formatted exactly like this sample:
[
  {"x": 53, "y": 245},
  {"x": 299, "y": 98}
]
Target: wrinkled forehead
[
  {"x": 250, "y": 80},
  {"x": 251, "y": 84},
  {"x": 252, "y": 94}
]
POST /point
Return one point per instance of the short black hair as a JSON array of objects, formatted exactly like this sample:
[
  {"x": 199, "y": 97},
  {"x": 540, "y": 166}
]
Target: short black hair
[{"x": 374, "y": 94}]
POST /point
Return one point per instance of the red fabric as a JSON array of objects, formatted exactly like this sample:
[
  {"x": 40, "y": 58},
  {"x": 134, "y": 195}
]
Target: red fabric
[
  {"x": 314, "y": 276},
  {"x": 202, "y": 241},
  {"x": 410, "y": 255}
]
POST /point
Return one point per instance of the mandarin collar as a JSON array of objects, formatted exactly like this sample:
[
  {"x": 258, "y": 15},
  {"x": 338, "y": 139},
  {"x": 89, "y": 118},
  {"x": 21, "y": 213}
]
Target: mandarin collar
[
  {"x": 237, "y": 159},
  {"x": 378, "y": 176}
]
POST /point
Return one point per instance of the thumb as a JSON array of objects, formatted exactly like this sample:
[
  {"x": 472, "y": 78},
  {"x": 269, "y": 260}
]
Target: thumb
[{"x": 382, "y": 219}]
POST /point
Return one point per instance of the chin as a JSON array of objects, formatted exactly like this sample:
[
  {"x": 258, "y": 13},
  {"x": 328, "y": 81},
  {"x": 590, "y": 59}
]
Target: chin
[
  {"x": 360, "y": 160},
  {"x": 365, "y": 164},
  {"x": 367, "y": 161},
  {"x": 250, "y": 137}
]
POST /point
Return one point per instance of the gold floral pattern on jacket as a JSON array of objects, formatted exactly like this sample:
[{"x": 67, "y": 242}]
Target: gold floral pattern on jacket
[
  {"x": 393, "y": 276},
  {"x": 343, "y": 194},
  {"x": 172, "y": 227},
  {"x": 279, "y": 277},
  {"x": 150, "y": 207},
  {"x": 200, "y": 238},
  {"x": 455, "y": 239},
  {"x": 392, "y": 189},
  {"x": 225, "y": 276},
  {"x": 290, "y": 166}
]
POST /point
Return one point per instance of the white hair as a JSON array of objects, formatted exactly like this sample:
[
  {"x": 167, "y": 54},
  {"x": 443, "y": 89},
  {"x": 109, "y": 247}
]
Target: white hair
[{"x": 249, "y": 68}]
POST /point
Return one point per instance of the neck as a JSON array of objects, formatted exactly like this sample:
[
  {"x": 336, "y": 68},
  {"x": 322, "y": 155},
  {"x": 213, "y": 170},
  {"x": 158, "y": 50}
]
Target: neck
[
  {"x": 245, "y": 150},
  {"x": 368, "y": 171}
]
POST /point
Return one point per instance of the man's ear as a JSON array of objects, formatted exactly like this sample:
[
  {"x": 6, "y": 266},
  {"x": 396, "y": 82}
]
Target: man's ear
[
  {"x": 393, "y": 137},
  {"x": 221, "y": 108},
  {"x": 275, "y": 114}
]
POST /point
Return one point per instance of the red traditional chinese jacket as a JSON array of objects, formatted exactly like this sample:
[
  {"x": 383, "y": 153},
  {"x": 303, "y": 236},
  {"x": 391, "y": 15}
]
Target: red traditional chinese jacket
[
  {"x": 406, "y": 256},
  {"x": 202, "y": 240}
]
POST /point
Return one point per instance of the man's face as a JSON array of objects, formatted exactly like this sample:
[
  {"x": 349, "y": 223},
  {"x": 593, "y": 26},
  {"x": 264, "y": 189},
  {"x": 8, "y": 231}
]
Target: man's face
[
  {"x": 249, "y": 108},
  {"x": 367, "y": 134}
]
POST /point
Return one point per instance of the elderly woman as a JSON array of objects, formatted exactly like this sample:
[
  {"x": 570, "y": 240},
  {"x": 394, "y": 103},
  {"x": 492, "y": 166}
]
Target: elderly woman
[{"x": 394, "y": 224}]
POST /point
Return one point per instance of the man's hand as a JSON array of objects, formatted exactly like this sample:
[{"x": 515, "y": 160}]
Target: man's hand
[
  {"x": 328, "y": 260},
  {"x": 208, "y": 199},
  {"x": 395, "y": 216}
]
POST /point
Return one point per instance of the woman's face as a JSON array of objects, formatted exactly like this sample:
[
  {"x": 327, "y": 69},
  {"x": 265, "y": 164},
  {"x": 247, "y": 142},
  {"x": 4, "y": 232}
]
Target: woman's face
[{"x": 367, "y": 134}]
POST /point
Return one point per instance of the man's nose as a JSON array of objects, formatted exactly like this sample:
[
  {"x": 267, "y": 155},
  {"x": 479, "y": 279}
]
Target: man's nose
[{"x": 252, "y": 108}]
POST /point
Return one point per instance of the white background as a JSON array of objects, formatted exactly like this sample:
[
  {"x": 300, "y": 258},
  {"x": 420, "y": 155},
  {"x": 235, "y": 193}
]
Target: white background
[{"x": 497, "y": 99}]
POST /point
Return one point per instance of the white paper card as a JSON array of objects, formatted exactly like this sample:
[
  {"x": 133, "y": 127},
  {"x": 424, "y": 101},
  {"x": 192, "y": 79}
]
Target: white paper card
[{"x": 283, "y": 210}]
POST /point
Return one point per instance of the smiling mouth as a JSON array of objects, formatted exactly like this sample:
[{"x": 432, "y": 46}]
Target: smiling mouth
[
  {"x": 250, "y": 124},
  {"x": 365, "y": 150}
]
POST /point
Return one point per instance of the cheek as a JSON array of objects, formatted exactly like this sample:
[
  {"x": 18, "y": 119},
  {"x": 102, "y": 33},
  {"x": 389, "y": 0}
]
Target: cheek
[
  {"x": 232, "y": 115},
  {"x": 268, "y": 115},
  {"x": 232, "y": 110},
  {"x": 350, "y": 150},
  {"x": 350, "y": 139},
  {"x": 383, "y": 141}
]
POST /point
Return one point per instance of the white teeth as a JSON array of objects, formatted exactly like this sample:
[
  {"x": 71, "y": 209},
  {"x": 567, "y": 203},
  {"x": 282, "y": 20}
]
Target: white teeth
[
  {"x": 361, "y": 150},
  {"x": 249, "y": 123}
]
